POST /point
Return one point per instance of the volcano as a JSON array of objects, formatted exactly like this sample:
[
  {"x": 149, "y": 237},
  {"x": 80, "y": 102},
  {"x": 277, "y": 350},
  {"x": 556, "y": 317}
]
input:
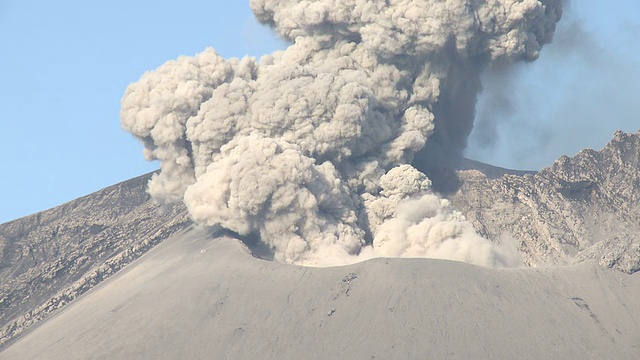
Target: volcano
[{"x": 187, "y": 291}]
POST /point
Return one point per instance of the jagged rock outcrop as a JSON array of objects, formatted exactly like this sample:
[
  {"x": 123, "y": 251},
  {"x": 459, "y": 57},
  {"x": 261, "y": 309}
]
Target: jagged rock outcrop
[
  {"x": 585, "y": 207},
  {"x": 50, "y": 258}
]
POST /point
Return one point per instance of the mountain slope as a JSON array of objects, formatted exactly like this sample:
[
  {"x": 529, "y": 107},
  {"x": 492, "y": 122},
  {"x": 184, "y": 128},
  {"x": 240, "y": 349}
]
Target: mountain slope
[
  {"x": 581, "y": 208},
  {"x": 50, "y": 258},
  {"x": 585, "y": 207},
  {"x": 196, "y": 296}
]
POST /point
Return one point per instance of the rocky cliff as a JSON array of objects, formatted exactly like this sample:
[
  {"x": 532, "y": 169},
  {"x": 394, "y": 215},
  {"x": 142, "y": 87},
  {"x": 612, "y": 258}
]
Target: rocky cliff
[
  {"x": 585, "y": 207},
  {"x": 50, "y": 258}
]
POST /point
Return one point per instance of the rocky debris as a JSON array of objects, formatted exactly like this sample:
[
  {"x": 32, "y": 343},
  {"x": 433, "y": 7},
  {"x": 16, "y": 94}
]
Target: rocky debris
[
  {"x": 346, "y": 283},
  {"x": 52, "y": 257},
  {"x": 582, "y": 207}
]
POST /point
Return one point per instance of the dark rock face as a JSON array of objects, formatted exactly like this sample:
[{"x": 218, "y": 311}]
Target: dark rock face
[
  {"x": 585, "y": 207},
  {"x": 50, "y": 258}
]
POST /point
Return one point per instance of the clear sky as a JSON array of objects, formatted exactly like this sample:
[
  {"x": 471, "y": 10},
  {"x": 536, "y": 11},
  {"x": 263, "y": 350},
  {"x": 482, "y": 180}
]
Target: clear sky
[{"x": 64, "y": 66}]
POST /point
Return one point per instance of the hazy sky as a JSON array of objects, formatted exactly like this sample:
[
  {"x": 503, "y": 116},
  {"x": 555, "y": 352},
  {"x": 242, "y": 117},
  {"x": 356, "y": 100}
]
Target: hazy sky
[{"x": 64, "y": 66}]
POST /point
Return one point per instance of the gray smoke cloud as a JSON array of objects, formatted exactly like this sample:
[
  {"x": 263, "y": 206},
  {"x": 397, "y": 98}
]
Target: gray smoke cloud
[{"x": 311, "y": 148}]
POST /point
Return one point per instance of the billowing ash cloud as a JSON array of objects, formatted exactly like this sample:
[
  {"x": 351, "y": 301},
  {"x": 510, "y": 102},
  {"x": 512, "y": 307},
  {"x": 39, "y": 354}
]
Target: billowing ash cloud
[{"x": 310, "y": 148}]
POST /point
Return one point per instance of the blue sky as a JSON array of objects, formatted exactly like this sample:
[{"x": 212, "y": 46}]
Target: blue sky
[{"x": 64, "y": 66}]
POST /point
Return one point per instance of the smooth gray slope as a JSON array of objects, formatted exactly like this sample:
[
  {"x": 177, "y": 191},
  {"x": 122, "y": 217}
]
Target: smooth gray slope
[
  {"x": 50, "y": 258},
  {"x": 490, "y": 171},
  {"x": 198, "y": 297}
]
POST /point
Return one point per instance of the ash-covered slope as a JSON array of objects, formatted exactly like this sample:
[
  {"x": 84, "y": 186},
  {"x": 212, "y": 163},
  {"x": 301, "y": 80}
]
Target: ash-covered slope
[
  {"x": 49, "y": 258},
  {"x": 198, "y": 297},
  {"x": 580, "y": 208},
  {"x": 585, "y": 207}
]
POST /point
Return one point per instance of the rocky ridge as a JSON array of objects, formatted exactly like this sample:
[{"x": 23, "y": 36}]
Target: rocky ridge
[
  {"x": 52, "y": 257},
  {"x": 581, "y": 207}
]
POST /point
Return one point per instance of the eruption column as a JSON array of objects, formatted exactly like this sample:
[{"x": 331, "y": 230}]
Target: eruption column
[{"x": 325, "y": 150}]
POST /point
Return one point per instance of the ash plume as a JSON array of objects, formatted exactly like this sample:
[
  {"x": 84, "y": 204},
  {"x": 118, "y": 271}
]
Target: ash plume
[{"x": 310, "y": 148}]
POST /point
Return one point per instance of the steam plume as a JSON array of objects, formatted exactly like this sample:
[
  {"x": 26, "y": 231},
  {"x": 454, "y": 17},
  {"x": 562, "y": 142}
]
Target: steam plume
[{"x": 311, "y": 148}]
